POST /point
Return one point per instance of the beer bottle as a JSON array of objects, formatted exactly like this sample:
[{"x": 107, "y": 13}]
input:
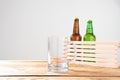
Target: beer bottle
[
  {"x": 76, "y": 36},
  {"x": 89, "y": 36}
]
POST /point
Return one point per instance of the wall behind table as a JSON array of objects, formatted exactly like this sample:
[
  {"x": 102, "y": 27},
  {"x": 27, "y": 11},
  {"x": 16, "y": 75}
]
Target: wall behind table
[{"x": 26, "y": 24}]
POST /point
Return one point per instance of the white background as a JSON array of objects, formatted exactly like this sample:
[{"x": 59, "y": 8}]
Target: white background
[{"x": 26, "y": 24}]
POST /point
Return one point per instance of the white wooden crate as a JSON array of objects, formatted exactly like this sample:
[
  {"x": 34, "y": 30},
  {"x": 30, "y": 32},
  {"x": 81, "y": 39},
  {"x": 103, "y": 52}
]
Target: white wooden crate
[{"x": 98, "y": 53}]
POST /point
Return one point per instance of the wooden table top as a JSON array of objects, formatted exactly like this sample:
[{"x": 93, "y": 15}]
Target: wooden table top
[{"x": 37, "y": 70}]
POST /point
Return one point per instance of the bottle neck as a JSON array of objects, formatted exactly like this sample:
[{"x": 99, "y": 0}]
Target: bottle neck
[
  {"x": 76, "y": 26},
  {"x": 89, "y": 28}
]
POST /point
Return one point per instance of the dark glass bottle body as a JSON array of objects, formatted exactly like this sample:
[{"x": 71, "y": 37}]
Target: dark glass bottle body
[{"x": 76, "y": 35}]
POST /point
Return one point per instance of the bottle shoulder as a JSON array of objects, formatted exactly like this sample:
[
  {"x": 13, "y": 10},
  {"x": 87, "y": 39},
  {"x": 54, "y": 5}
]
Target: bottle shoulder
[
  {"x": 76, "y": 37},
  {"x": 89, "y": 34},
  {"x": 89, "y": 37}
]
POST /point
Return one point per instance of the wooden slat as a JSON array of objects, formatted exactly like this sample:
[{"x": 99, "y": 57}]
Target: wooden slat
[
  {"x": 96, "y": 42},
  {"x": 97, "y": 55},
  {"x": 103, "y": 46}
]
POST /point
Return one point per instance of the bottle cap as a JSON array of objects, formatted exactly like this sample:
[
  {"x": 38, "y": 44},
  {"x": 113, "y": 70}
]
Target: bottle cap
[
  {"x": 76, "y": 19},
  {"x": 89, "y": 21}
]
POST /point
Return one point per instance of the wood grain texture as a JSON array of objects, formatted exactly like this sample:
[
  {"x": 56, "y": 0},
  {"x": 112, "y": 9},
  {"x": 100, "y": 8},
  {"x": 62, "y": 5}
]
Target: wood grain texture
[
  {"x": 37, "y": 70},
  {"x": 40, "y": 68},
  {"x": 59, "y": 78}
]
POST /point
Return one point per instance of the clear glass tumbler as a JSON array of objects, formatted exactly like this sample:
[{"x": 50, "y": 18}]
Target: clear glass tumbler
[{"x": 57, "y": 59}]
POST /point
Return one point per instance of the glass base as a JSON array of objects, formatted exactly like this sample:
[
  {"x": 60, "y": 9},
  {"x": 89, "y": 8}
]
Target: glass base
[
  {"x": 61, "y": 67},
  {"x": 57, "y": 70}
]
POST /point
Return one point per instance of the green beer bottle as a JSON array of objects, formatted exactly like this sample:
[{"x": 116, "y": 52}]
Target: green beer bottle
[{"x": 89, "y": 36}]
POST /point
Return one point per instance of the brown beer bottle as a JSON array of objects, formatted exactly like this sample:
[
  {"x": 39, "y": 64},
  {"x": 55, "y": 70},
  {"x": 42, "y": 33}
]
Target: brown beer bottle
[{"x": 76, "y": 36}]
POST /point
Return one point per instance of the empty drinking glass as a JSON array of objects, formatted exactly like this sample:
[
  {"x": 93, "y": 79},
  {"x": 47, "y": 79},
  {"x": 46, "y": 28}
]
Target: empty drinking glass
[{"x": 57, "y": 59}]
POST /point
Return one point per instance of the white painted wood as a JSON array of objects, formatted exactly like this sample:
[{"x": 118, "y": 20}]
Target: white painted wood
[{"x": 98, "y": 53}]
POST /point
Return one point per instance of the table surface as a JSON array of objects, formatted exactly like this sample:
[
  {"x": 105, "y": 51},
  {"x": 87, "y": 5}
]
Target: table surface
[{"x": 37, "y": 70}]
